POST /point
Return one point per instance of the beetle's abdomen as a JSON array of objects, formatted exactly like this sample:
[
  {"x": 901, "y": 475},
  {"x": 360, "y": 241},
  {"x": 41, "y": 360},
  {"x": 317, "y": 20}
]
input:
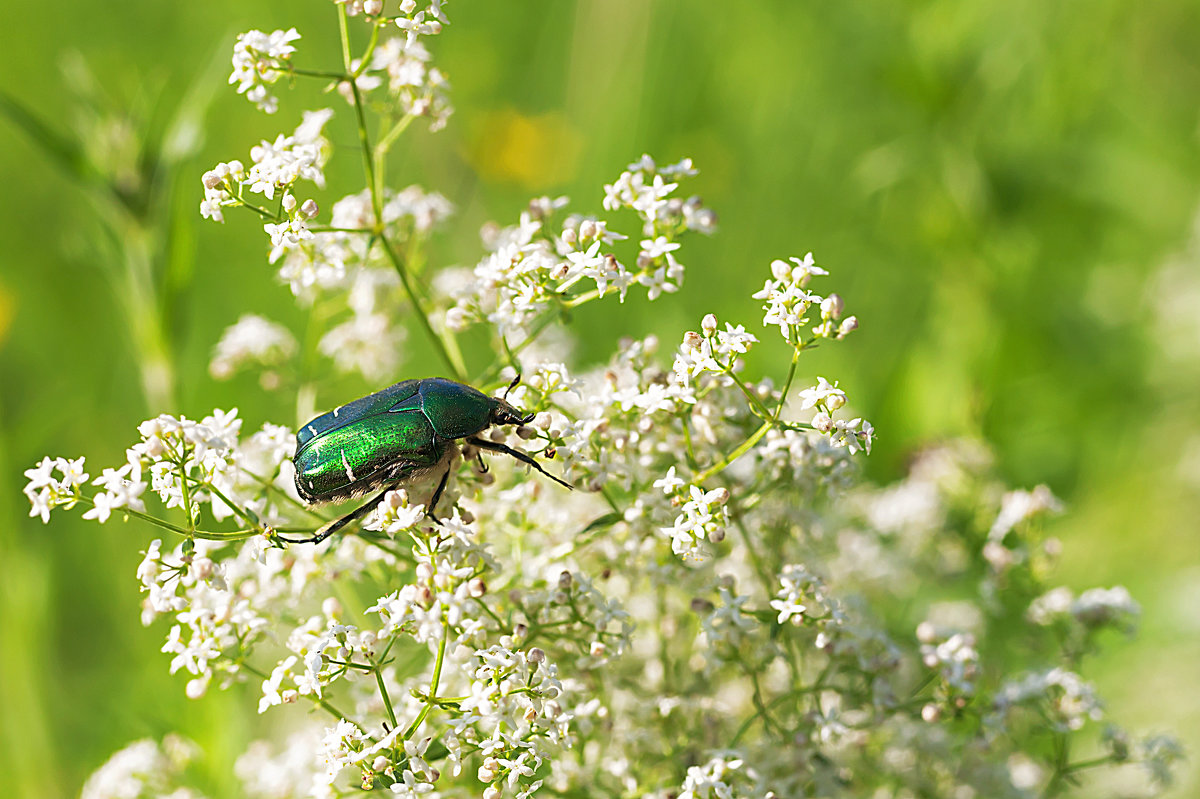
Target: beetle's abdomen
[{"x": 345, "y": 461}]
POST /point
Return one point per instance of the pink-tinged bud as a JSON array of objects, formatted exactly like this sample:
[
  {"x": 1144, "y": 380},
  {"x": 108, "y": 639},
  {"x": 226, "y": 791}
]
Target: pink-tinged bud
[
  {"x": 477, "y": 588},
  {"x": 537, "y": 655},
  {"x": 823, "y": 423},
  {"x": 212, "y": 180},
  {"x": 598, "y": 649},
  {"x": 588, "y": 229},
  {"x": 543, "y": 420},
  {"x": 848, "y": 326},
  {"x": 709, "y": 324},
  {"x": 525, "y": 432},
  {"x": 832, "y": 307},
  {"x": 720, "y": 495},
  {"x": 699, "y": 605},
  {"x": 716, "y": 535},
  {"x": 564, "y": 581},
  {"x": 692, "y": 340},
  {"x": 570, "y": 237},
  {"x": 931, "y": 713},
  {"x": 373, "y": 7},
  {"x": 290, "y": 697},
  {"x": 309, "y": 209}
]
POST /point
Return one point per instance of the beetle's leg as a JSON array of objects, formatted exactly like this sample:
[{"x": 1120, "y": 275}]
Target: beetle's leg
[
  {"x": 437, "y": 494},
  {"x": 483, "y": 467},
  {"x": 337, "y": 524},
  {"x": 516, "y": 453}
]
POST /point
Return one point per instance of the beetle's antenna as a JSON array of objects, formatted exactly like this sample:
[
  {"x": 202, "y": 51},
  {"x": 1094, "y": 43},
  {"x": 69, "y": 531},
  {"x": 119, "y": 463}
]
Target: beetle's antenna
[{"x": 511, "y": 386}]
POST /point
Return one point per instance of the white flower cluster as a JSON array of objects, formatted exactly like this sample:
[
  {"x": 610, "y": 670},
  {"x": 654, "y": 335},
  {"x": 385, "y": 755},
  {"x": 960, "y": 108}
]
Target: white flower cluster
[
  {"x": 787, "y": 302},
  {"x": 144, "y": 769},
  {"x": 413, "y": 86},
  {"x": 252, "y": 341},
  {"x": 276, "y": 167},
  {"x": 260, "y": 59},
  {"x": 708, "y": 616},
  {"x": 532, "y": 269},
  {"x": 1093, "y": 609}
]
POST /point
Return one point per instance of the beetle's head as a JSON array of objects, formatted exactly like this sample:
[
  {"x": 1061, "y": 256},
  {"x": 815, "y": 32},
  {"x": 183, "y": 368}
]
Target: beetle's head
[{"x": 504, "y": 413}]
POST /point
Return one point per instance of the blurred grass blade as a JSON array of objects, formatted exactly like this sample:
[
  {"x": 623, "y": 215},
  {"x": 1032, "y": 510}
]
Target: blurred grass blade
[{"x": 62, "y": 151}]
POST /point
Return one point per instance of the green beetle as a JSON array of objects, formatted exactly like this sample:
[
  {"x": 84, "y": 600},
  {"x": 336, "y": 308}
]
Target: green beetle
[{"x": 396, "y": 436}]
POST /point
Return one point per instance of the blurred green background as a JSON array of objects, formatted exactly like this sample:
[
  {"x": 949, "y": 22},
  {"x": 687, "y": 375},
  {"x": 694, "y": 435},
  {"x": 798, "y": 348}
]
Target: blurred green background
[{"x": 1005, "y": 191}]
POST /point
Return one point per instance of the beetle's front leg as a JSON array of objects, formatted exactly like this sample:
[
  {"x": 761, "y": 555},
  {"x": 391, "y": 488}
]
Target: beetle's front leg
[{"x": 516, "y": 453}]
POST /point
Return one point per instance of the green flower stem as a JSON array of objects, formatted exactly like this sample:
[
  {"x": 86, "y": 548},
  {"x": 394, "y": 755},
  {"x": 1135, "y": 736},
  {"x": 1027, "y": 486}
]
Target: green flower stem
[
  {"x": 387, "y": 700},
  {"x": 236, "y": 535},
  {"x": 742, "y": 449},
  {"x": 385, "y": 141},
  {"x": 787, "y": 384},
  {"x": 183, "y": 486},
  {"x": 457, "y": 367},
  {"x": 316, "y": 700},
  {"x": 433, "y": 683},
  {"x": 316, "y": 73}
]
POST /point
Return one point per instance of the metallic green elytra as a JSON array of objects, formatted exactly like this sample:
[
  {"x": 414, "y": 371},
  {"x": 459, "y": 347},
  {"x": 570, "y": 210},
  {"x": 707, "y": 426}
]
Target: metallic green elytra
[{"x": 393, "y": 437}]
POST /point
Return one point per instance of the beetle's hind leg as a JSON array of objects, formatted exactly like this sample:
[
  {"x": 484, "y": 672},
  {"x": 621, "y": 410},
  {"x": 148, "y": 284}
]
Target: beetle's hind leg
[
  {"x": 516, "y": 453},
  {"x": 337, "y": 524}
]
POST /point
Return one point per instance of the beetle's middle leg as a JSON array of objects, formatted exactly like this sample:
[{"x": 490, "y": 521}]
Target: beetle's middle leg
[
  {"x": 516, "y": 453},
  {"x": 337, "y": 524}
]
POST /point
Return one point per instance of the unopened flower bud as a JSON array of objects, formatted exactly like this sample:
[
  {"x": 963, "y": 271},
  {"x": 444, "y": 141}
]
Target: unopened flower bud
[
  {"x": 700, "y": 605},
  {"x": 491, "y": 792},
  {"x": 926, "y": 632},
  {"x": 290, "y": 697},
  {"x": 380, "y": 763},
  {"x": 781, "y": 270},
  {"x": 598, "y": 649},
  {"x": 822, "y": 422},
  {"x": 203, "y": 568},
  {"x": 309, "y": 209},
  {"x": 716, "y": 535},
  {"x": 709, "y": 324},
  {"x": 537, "y": 655},
  {"x": 289, "y": 202},
  {"x": 931, "y": 713},
  {"x": 520, "y": 631},
  {"x": 588, "y": 229},
  {"x": 331, "y": 607},
  {"x": 564, "y": 580},
  {"x": 835, "y": 401},
  {"x": 373, "y": 7},
  {"x": 211, "y": 179},
  {"x": 424, "y": 571},
  {"x": 848, "y": 326},
  {"x": 477, "y": 587},
  {"x": 692, "y": 340},
  {"x": 832, "y": 306}
]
